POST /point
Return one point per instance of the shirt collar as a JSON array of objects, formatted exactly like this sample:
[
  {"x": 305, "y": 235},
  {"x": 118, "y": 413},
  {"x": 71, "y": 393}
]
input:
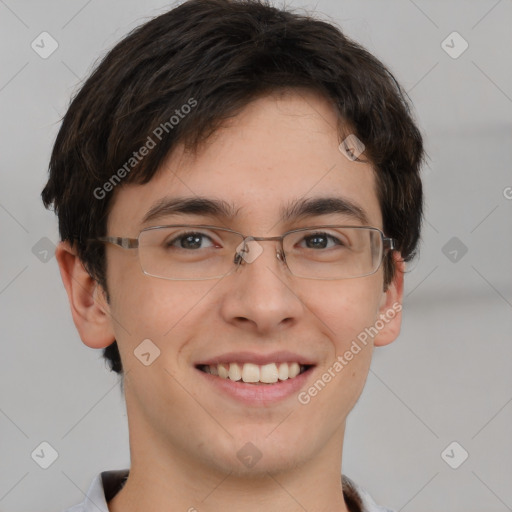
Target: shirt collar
[{"x": 102, "y": 489}]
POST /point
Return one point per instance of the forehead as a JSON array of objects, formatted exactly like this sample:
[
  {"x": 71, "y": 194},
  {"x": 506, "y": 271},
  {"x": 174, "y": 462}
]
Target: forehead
[{"x": 280, "y": 151}]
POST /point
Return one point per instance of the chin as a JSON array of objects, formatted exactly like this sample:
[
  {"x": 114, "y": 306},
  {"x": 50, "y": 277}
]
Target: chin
[{"x": 256, "y": 454}]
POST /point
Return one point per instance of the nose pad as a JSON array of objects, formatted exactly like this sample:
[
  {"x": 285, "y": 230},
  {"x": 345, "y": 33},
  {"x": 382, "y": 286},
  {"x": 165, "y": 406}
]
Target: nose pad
[
  {"x": 248, "y": 251},
  {"x": 243, "y": 249}
]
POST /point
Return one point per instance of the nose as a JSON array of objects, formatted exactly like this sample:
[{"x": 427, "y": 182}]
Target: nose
[{"x": 260, "y": 296}]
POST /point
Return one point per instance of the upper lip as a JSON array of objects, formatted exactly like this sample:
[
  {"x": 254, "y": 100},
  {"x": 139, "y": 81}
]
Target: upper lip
[{"x": 257, "y": 358}]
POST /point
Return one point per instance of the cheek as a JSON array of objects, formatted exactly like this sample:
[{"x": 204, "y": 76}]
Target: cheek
[
  {"x": 345, "y": 311},
  {"x": 144, "y": 307},
  {"x": 345, "y": 308}
]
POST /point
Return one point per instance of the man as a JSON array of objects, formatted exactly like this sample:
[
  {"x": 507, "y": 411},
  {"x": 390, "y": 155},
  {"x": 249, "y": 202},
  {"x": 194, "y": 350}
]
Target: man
[{"x": 238, "y": 192}]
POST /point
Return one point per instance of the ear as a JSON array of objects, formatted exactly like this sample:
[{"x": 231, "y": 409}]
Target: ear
[
  {"x": 390, "y": 309},
  {"x": 87, "y": 299}
]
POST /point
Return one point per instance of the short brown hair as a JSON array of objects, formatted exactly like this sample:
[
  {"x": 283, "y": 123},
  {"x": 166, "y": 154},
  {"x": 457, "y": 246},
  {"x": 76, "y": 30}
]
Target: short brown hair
[{"x": 223, "y": 54}]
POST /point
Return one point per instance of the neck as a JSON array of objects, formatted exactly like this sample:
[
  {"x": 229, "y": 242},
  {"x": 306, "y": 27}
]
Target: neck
[
  {"x": 170, "y": 480},
  {"x": 205, "y": 475},
  {"x": 272, "y": 493}
]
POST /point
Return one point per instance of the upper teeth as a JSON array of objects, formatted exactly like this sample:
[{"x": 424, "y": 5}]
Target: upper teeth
[{"x": 249, "y": 372}]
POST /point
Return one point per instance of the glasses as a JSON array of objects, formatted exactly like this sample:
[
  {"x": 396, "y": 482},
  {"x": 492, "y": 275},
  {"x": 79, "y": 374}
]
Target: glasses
[{"x": 190, "y": 252}]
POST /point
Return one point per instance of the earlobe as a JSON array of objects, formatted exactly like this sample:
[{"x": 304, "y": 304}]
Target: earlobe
[
  {"x": 89, "y": 307},
  {"x": 390, "y": 310}
]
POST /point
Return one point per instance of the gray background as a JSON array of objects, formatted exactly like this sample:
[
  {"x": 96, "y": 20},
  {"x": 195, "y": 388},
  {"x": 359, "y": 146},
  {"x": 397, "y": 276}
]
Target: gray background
[{"x": 448, "y": 376}]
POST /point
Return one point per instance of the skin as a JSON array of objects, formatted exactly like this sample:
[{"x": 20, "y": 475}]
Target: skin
[{"x": 184, "y": 435}]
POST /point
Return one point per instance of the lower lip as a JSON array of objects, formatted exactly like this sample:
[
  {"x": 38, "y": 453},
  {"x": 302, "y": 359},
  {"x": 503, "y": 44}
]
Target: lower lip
[{"x": 258, "y": 394}]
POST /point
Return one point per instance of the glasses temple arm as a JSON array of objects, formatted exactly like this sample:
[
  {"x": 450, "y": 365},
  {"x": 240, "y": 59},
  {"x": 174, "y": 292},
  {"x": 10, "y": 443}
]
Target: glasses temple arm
[{"x": 125, "y": 243}]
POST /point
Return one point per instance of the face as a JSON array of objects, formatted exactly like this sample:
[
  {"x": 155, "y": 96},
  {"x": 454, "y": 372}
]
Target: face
[{"x": 281, "y": 149}]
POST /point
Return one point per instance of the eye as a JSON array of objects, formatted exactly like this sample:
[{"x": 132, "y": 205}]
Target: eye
[
  {"x": 321, "y": 241},
  {"x": 190, "y": 240}
]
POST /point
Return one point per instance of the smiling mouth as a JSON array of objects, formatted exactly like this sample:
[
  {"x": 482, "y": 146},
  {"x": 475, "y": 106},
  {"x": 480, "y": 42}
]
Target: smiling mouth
[{"x": 250, "y": 373}]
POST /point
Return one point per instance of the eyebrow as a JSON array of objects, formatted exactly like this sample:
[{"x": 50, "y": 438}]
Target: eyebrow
[{"x": 295, "y": 210}]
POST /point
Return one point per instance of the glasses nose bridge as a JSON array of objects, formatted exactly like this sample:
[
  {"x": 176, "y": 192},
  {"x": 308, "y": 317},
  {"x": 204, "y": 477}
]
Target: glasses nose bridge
[
  {"x": 268, "y": 239},
  {"x": 263, "y": 238}
]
